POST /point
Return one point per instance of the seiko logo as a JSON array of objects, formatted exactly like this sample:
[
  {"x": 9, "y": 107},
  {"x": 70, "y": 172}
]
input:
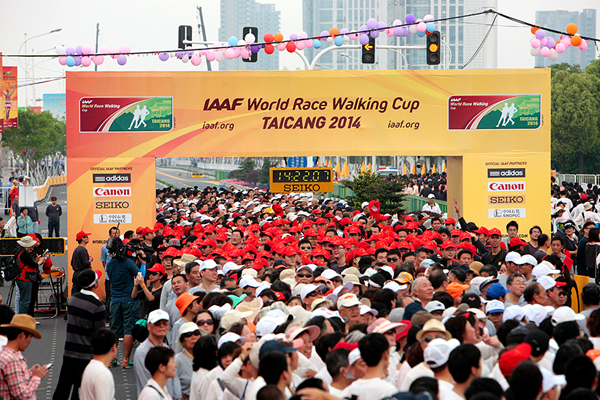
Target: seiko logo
[
  {"x": 506, "y": 186},
  {"x": 506, "y": 173},
  {"x": 112, "y": 192},
  {"x": 119, "y": 205},
  {"x": 506, "y": 199},
  {"x": 112, "y": 178}
]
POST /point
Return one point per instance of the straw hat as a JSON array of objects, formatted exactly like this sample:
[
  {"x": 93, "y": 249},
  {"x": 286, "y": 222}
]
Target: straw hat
[
  {"x": 26, "y": 241},
  {"x": 24, "y": 322}
]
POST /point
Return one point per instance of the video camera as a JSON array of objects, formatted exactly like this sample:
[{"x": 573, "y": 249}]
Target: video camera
[{"x": 121, "y": 251}]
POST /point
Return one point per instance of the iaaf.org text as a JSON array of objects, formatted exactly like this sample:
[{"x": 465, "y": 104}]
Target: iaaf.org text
[{"x": 403, "y": 125}]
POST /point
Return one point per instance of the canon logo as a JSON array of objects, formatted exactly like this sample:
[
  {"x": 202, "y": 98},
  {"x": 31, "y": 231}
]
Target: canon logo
[
  {"x": 112, "y": 178},
  {"x": 506, "y": 173},
  {"x": 506, "y": 186},
  {"x": 112, "y": 192}
]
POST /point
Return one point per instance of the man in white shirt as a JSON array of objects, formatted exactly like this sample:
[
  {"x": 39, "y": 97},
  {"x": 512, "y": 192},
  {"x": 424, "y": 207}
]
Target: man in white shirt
[
  {"x": 431, "y": 206},
  {"x": 374, "y": 351},
  {"x": 160, "y": 362},
  {"x": 338, "y": 366},
  {"x": 464, "y": 364},
  {"x": 97, "y": 381},
  {"x": 436, "y": 356}
]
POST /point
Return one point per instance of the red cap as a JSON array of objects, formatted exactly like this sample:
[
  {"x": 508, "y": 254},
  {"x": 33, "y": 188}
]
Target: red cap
[
  {"x": 465, "y": 236},
  {"x": 509, "y": 360},
  {"x": 456, "y": 232},
  {"x": 80, "y": 235},
  {"x": 494, "y": 231},
  {"x": 158, "y": 268},
  {"x": 316, "y": 211},
  {"x": 514, "y": 242},
  {"x": 450, "y": 221},
  {"x": 290, "y": 251},
  {"x": 170, "y": 252},
  {"x": 448, "y": 244}
]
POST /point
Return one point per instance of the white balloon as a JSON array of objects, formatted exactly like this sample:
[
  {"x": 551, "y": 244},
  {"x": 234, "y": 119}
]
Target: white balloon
[
  {"x": 60, "y": 50},
  {"x": 241, "y": 43},
  {"x": 346, "y": 39},
  {"x": 185, "y": 58},
  {"x": 330, "y": 39},
  {"x": 171, "y": 55},
  {"x": 220, "y": 56},
  {"x": 535, "y": 52},
  {"x": 553, "y": 55},
  {"x": 412, "y": 29},
  {"x": 250, "y": 38}
]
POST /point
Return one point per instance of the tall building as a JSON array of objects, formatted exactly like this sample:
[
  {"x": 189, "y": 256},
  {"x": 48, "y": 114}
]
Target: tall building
[
  {"x": 235, "y": 15},
  {"x": 322, "y": 15},
  {"x": 559, "y": 19},
  {"x": 461, "y": 37}
]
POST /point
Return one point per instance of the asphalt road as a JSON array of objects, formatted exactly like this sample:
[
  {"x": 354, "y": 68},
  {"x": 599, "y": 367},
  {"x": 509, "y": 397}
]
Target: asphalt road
[{"x": 178, "y": 179}]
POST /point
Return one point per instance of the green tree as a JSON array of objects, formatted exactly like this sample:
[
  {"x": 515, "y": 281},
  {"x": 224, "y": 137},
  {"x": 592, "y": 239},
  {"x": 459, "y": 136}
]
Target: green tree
[
  {"x": 38, "y": 136},
  {"x": 263, "y": 176},
  {"x": 570, "y": 68},
  {"x": 574, "y": 117},
  {"x": 594, "y": 68},
  {"x": 368, "y": 186},
  {"x": 246, "y": 167}
]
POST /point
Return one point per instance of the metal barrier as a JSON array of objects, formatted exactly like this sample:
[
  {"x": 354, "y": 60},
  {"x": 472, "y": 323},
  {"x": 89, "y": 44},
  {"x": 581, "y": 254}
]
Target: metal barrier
[
  {"x": 416, "y": 203},
  {"x": 579, "y": 178}
]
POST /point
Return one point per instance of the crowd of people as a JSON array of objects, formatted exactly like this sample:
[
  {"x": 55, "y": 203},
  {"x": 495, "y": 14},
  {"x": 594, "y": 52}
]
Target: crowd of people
[{"x": 257, "y": 296}]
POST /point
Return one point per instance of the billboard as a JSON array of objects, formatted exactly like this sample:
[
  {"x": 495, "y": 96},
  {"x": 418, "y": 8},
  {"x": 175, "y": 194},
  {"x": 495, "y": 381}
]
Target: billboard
[
  {"x": 10, "y": 112},
  {"x": 56, "y": 103}
]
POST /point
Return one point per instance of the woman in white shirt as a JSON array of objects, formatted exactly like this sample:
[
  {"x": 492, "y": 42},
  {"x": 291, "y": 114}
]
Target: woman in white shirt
[
  {"x": 205, "y": 359},
  {"x": 187, "y": 338}
]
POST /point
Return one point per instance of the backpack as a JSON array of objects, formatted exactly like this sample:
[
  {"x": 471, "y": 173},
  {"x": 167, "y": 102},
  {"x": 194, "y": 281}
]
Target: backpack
[{"x": 10, "y": 268}]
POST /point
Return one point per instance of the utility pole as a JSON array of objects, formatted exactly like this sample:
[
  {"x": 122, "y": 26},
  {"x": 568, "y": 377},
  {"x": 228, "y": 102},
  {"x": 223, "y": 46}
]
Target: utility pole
[
  {"x": 97, "y": 34},
  {"x": 202, "y": 31}
]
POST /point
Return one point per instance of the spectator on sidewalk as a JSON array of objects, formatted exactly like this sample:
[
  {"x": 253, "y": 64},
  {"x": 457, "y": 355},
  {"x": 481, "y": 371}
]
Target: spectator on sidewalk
[
  {"x": 97, "y": 382},
  {"x": 53, "y": 212}
]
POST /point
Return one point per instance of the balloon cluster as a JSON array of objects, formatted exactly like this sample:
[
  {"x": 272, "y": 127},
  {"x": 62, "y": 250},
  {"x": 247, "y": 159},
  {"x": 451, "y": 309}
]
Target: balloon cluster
[
  {"x": 84, "y": 55},
  {"x": 235, "y": 48},
  {"x": 547, "y": 46}
]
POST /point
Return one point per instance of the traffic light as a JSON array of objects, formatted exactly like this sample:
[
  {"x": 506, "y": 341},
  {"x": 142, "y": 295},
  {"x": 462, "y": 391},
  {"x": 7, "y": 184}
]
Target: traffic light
[
  {"x": 253, "y": 30},
  {"x": 368, "y": 52},
  {"x": 185, "y": 33},
  {"x": 433, "y": 48}
]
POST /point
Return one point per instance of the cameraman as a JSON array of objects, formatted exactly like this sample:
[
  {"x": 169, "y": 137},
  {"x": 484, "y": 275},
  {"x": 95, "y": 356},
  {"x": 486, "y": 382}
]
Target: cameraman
[{"x": 125, "y": 311}]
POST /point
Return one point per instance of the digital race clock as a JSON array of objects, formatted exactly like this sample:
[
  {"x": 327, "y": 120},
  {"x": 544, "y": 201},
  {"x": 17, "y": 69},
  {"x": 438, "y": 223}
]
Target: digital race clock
[{"x": 286, "y": 180}]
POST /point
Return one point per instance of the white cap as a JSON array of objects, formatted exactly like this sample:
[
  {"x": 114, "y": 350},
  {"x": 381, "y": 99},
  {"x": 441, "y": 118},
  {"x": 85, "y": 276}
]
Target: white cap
[
  {"x": 513, "y": 312},
  {"x": 310, "y": 267},
  {"x": 431, "y": 196},
  {"x": 308, "y": 289},
  {"x": 231, "y": 266},
  {"x": 269, "y": 322},
  {"x": 565, "y": 314},
  {"x": 366, "y": 309},
  {"x": 438, "y": 350},
  {"x": 364, "y": 204},
  {"x": 547, "y": 282},
  {"x": 550, "y": 380},
  {"x": 333, "y": 296},
  {"x": 353, "y": 356},
  {"x": 263, "y": 286},
  {"x": 207, "y": 264},
  {"x": 512, "y": 256},
  {"x": 494, "y": 306},
  {"x": 230, "y": 337},
  {"x": 527, "y": 259},
  {"x": 249, "y": 272},
  {"x": 348, "y": 300},
  {"x": 222, "y": 207},
  {"x": 542, "y": 269},
  {"x": 249, "y": 281},
  {"x": 393, "y": 286},
  {"x": 330, "y": 274},
  {"x": 536, "y": 314},
  {"x": 157, "y": 315},
  {"x": 435, "y": 305}
]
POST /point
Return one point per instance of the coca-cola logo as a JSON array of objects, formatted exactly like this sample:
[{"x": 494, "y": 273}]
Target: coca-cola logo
[{"x": 112, "y": 192}]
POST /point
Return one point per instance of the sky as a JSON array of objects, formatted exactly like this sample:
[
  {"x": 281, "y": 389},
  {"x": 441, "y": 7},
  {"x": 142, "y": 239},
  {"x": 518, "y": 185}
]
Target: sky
[{"x": 152, "y": 25}]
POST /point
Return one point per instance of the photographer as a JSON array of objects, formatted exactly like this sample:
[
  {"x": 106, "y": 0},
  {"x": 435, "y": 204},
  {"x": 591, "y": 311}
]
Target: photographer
[{"x": 125, "y": 311}]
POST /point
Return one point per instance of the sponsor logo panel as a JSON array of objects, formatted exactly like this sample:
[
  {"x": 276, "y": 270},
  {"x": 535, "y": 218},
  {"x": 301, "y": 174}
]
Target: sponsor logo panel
[
  {"x": 112, "y": 191},
  {"x": 507, "y": 213},
  {"x": 506, "y": 173},
  {"x": 516, "y": 199},
  {"x": 517, "y": 186},
  {"x": 112, "y": 204},
  {"x": 112, "y": 219},
  {"x": 112, "y": 178}
]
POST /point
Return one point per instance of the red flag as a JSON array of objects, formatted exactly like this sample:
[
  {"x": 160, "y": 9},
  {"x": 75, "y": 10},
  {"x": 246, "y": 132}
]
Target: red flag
[{"x": 374, "y": 209}]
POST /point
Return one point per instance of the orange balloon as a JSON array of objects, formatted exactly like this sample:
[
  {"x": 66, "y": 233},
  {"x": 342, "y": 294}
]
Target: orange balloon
[
  {"x": 576, "y": 40},
  {"x": 571, "y": 29},
  {"x": 334, "y": 31},
  {"x": 534, "y": 29},
  {"x": 278, "y": 37}
]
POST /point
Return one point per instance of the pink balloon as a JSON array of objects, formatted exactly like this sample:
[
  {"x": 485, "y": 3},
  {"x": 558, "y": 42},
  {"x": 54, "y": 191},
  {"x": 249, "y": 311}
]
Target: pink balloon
[
  {"x": 544, "y": 41},
  {"x": 86, "y": 49},
  {"x": 85, "y": 61},
  {"x": 104, "y": 49},
  {"x": 560, "y": 47},
  {"x": 535, "y": 43},
  {"x": 545, "y": 52},
  {"x": 567, "y": 42},
  {"x": 62, "y": 60},
  {"x": 281, "y": 46},
  {"x": 210, "y": 55},
  {"x": 98, "y": 60},
  {"x": 300, "y": 45},
  {"x": 125, "y": 48},
  {"x": 421, "y": 27},
  {"x": 238, "y": 52},
  {"x": 245, "y": 53},
  {"x": 309, "y": 43},
  {"x": 583, "y": 46},
  {"x": 196, "y": 60},
  {"x": 115, "y": 53},
  {"x": 229, "y": 54},
  {"x": 390, "y": 32}
]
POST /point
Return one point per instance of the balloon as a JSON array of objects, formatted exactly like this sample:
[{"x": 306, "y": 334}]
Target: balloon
[
  {"x": 576, "y": 40},
  {"x": 412, "y": 29},
  {"x": 232, "y": 41},
  {"x": 324, "y": 35},
  {"x": 338, "y": 41},
  {"x": 281, "y": 46},
  {"x": 300, "y": 45},
  {"x": 78, "y": 50},
  {"x": 390, "y": 32},
  {"x": 553, "y": 55},
  {"x": 399, "y": 31},
  {"x": 250, "y": 38},
  {"x": 269, "y": 49},
  {"x": 363, "y": 39},
  {"x": 294, "y": 36},
  {"x": 535, "y": 52},
  {"x": 405, "y": 31},
  {"x": 344, "y": 31},
  {"x": 544, "y": 41},
  {"x": 62, "y": 60},
  {"x": 333, "y": 31},
  {"x": 77, "y": 61},
  {"x": 115, "y": 53},
  {"x": 540, "y": 34},
  {"x": 410, "y": 19},
  {"x": 60, "y": 50},
  {"x": 291, "y": 47},
  {"x": 278, "y": 37},
  {"x": 254, "y": 48},
  {"x": 374, "y": 34},
  {"x": 86, "y": 49},
  {"x": 534, "y": 29},
  {"x": 125, "y": 48},
  {"x": 268, "y": 38},
  {"x": 70, "y": 51},
  {"x": 245, "y": 54},
  {"x": 85, "y": 61},
  {"x": 396, "y": 23},
  {"x": 545, "y": 52},
  {"x": 571, "y": 29},
  {"x": 421, "y": 27},
  {"x": 196, "y": 60},
  {"x": 98, "y": 60},
  {"x": 229, "y": 54},
  {"x": 428, "y": 18},
  {"x": 583, "y": 46},
  {"x": 104, "y": 49},
  {"x": 550, "y": 43},
  {"x": 353, "y": 35},
  {"x": 420, "y": 34},
  {"x": 567, "y": 42},
  {"x": 346, "y": 38},
  {"x": 309, "y": 43},
  {"x": 371, "y": 23},
  {"x": 430, "y": 26},
  {"x": 535, "y": 43},
  {"x": 122, "y": 60},
  {"x": 210, "y": 55},
  {"x": 70, "y": 61},
  {"x": 330, "y": 39},
  {"x": 316, "y": 44},
  {"x": 220, "y": 56},
  {"x": 560, "y": 47},
  {"x": 381, "y": 26},
  {"x": 362, "y": 28}
]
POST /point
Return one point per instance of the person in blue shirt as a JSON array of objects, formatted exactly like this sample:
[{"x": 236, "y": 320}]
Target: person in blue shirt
[{"x": 105, "y": 257}]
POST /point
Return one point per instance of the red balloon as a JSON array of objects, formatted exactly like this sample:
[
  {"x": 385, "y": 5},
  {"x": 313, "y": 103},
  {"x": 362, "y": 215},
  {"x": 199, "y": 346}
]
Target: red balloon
[
  {"x": 268, "y": 38},
  {"x": 291, "y": 47},
  {"x": 269, "y": 49}
]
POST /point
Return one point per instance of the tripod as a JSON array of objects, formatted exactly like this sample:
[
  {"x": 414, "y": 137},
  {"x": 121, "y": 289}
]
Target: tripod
[{"x": 11, "y": 292}]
